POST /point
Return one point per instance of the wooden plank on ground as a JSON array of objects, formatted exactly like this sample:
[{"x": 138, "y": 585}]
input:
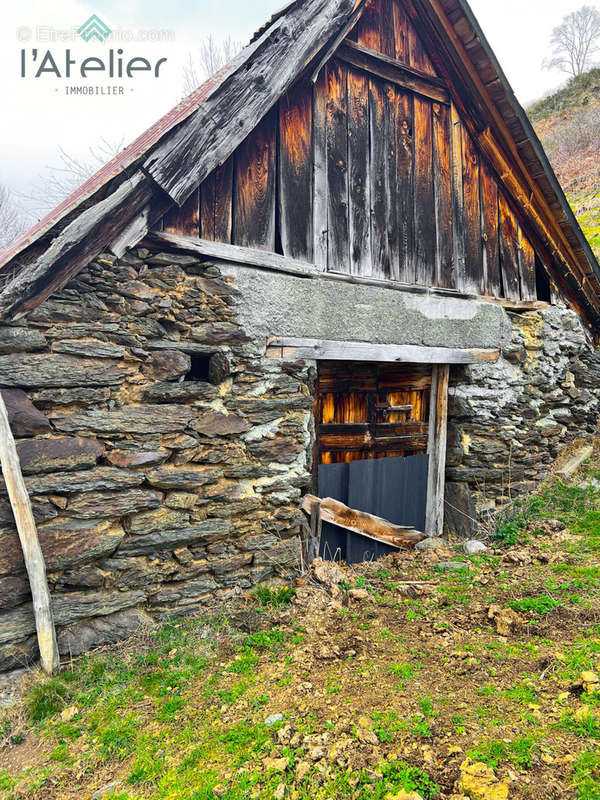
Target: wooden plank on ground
[
  {"x": 254, "y": 187},
  {"x": 438, "y": 425},
  {"x": 425, "y": 234},
  {"x": 295, "y": 171},
  {"x": 326, "y": 350},
  {"x": 491, "y": 242},
  {"x": 443, "y": 196},
  {"x": 474, "y": 277},
  {"x": 216, "y": 198},
  {"x": 527, "y": 267},
  {"x": 359, "y": 174},
  {"x": 509, "y": 250},
  {"x": 32, "y": 552},
  {"x": 338, "y": 238}
]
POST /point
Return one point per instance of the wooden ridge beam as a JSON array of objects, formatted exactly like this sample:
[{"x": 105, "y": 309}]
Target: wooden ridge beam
[
  {"x": 389, "y": 69},
  {"x": 324, "y": 350}
]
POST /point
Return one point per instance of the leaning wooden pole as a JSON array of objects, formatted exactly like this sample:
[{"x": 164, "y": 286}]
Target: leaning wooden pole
[{"x": 32, "y": 552}]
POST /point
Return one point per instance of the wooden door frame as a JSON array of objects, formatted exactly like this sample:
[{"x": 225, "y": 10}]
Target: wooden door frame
[{"x": 436, "y": 449}]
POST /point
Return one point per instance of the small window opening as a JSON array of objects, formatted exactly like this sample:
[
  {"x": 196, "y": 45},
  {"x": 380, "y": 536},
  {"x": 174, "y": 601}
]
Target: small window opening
[
  {"x": 199, "y": 369},
  {"x": 542, "y": 282}
]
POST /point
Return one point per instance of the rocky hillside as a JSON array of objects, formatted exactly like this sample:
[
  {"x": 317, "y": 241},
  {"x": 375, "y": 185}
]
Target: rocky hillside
[{"x": 568, "y": 123}]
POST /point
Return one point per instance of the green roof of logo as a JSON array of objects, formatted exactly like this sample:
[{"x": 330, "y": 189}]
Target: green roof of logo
[{"x": 94, "y": 28}]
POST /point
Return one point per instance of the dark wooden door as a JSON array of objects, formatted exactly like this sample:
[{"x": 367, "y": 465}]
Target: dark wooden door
[{"x": 365, "y": 411}]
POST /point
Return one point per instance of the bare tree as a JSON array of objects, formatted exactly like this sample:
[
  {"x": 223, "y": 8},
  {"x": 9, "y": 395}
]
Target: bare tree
[
  {"x": 212, "y": 55},
  {"x": 59, "y": 180},
  {"x": 575, "y": 42},
  {"x": 12, "y": 221}
]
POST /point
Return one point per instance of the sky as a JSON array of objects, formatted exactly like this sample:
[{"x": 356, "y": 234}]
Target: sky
[{"x": 38, "y": 117}]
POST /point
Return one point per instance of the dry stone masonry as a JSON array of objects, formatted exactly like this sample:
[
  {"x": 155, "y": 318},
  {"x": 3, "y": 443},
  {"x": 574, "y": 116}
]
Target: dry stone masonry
[{"x": 165, "y": 455}]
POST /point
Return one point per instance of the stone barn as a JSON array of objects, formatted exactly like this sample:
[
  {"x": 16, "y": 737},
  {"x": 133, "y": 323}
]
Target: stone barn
[{"x": 345, "y": 251}]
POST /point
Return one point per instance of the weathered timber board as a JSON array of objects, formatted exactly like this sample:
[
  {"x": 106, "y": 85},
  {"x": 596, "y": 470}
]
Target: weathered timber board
[
  {"x": 359, "y": 174},
  {"x": 320, "y": 192},
  {"x": 184, "y": 220},
  {"x": 295, "y": 171},
  {"x": 443, "y": 196},
  {"x": 425, "y": 235},
  {"x": 338, "y": 238},
  {"x": 383, "y": 169},
  {"x": 527, "y": 267},
  {"x": 474, "y": 277},
  {"x": 509, "y": 250},
  {"x": 405, "y": 147},
  {"x": 254, "y": 187},
  {"x": 489, "y": 224},
  {"x": 216, "y": 204}
]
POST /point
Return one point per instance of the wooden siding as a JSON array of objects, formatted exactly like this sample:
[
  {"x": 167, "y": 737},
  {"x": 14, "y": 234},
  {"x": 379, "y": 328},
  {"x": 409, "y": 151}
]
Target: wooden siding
[{"x": 370, "y": 172}]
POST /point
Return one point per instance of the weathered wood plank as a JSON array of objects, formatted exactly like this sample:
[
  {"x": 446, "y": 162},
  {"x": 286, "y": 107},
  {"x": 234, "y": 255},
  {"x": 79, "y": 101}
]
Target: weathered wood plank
[
  {"x": 295, "y": 171},
  {"x": 320, "y": 349},
  {"x": 509, "y": 250},
  {"x": 383, "y": 174},
  {"x": 458, "y": 199},
  {"x": 438, "y": 426},
  {"x": 319, "y": 219},
  {"x": 443, "y": 196},
  {"x": 185, "y": 219},
  {"x": 359, "y": 175},
  {"x": 206, "y": 138},
  {"x": 474, "y": 277},
  {"x": 382, "y": 66},
  {"x": 491, "y": 243},
  {"x": 527, "y": 267},
  {"x": 400, "y": 24},
  {"x": 32, "y": 552},
  {"x": 368, "y": 28},
  {"x": 254, "y": 187},
  {"x": 386, "y": 27},
  {"x": 216, "y": 199},
  {"x": 405, "y": 147},
  {"x": 418, "y": 57},
  {"x": 338, "y": 233},
  {"x": 425, "y": 233}
]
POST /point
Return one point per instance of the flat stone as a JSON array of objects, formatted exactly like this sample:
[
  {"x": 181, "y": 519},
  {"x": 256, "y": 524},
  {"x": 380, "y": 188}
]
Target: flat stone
[
  {"x": 42, "y": 511},
  {"x": 166, "y": 392},
  {"x": 19, "y": 623},
  {"x": 219, "y": 368},
  {"x": 94, "y": 480},
  {"x": 133, "y": 419},
  {"x": 23, "y": 416},
  {"x": 89, "y": 348},
  {"x": 273, "y": 719},
  {"x": 20, "y": 340},
  {"x": 156, "y": 520},
  {"x": 178, "y": 259},
  {"x": 70, "y": 397},
  {"x": 212, "y": 423},
  {"x": 460, "y": 514},
  {"x": 472, "y": 547},
  {"x": 209, "y": 531},
  {"x": 183, "y": 345},
  {"x": 61, "y": 453},
  {"x": 281, "y": 449},
  {"x": 42, "y": 370},
  {"x": 113, "y": 504},
  {"x": 53, "y": 310},
  {"x": 14, "y": 590},
  {"x": 82, "y": 636},
  {"x": 127, "y": 459},
  {"x": 181, "y": 500},
  {"x": 219, "y": 333},
  {"x": 188, "y": 476},
  {"x": 168, "y": 365},
  {"x": 64, "y": 543},
  {"x": 175, "y": 593},
  {"x": 451, "y": 566},
  {"x": 432, "y": 543},
  {"x": 232, "y": 563},
  {"x": 139, "y": 291}
]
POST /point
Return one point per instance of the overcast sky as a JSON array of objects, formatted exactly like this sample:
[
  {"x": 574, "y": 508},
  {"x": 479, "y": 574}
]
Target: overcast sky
[{"x": 37, "y": 117}]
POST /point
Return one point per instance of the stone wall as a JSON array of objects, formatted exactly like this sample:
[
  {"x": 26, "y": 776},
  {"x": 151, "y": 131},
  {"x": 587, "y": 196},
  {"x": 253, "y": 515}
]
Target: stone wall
[
  {"x": 164, "y": 456},
  {"x": 510, "y": 420}
]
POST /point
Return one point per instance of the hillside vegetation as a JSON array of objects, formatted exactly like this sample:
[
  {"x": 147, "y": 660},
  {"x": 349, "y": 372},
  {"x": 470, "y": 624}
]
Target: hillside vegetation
[{"x": 568, "y": 124}]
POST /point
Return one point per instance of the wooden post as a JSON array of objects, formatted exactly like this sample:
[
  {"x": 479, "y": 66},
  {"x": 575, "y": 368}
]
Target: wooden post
[
  {"x": 32, "y": 552},
  {"x": 436, "y": 449},
  {"x": 315, "y": 532}
]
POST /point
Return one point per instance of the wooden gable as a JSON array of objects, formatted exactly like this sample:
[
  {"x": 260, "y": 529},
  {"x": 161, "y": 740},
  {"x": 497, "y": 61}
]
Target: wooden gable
[{"x": 370, "y": 171}]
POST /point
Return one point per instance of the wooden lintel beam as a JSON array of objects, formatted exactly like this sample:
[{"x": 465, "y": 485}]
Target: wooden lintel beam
[
  {"x": 382, "y": 66},
  {"x": 324, "y": 350}
]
